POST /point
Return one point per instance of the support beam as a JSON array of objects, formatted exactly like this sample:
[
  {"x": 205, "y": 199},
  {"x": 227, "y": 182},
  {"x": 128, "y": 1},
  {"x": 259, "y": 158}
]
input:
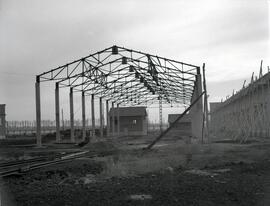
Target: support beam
[
  {"x": 83, "y": 117},
  {"x": 72, "y": 137},
  {"x": 93, "y": 116},
  {"x": 57, "y": 113},
  {"x": 63, "y": 122},
  {"x": 267, "y": 96},
  {"x": 38, "y": 113},
  {"x": 205, "y": 129},
  {"x": 197, "y": 111},
  {"x": 107, "y": 118},
  {"x": 118, "y": 121},
  {"x": 175, "y": 122},
  {"x": 101, "y": 116},
  {"x": 113, "y": 123}
]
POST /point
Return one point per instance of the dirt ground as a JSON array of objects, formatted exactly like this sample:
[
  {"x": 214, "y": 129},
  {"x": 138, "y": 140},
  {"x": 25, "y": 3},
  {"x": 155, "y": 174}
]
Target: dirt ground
[{"x": 172, "y": 173}]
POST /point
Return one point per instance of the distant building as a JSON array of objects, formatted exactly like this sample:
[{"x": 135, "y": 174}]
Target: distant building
[
  {"x": 2, "y": 121},
  {"x": 183, "y": 127},
  {"x": 215, "y": 105},
  {"x": 133, "y": 120}
]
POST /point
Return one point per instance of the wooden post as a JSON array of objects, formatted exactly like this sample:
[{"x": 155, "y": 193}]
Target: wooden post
[
  {"x": 38, "y": 113},
  {"x": 57, "y": 113},
  {"x": 93, "y": 116},
  {"x": 205, "y": 128},
  {"x": 72, "y": 137},
  {"x": 118, "y": 121},
  {"x": 108, "y": 117},
  {"x": 268, "y": 106},
  {"x": 196, "y": 112},
  {"x": 83, "y": 117},
  {"x": 101, "y": 117},
  {"x": 113, "y": 123}
]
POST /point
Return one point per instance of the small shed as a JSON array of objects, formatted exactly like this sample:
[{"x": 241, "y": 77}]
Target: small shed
[
  {"x": 2, "y": 121},
  {"x": 133, "y": 120},
  {"x": 183, "y": 126},
  {"x": 215, "y": 105}
]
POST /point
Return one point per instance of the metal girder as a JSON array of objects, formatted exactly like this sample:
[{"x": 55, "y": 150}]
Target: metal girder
[{"x": 119, "y": 74}]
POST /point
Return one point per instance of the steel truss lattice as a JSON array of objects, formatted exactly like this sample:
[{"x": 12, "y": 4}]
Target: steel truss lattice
[{"x": 127, "y": 77}]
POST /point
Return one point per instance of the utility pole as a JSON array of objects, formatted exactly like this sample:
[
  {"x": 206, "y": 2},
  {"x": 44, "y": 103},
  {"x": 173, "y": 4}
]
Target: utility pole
[
  {"x": 260, "y": 74},
  {"x": 205, "y": 128}
]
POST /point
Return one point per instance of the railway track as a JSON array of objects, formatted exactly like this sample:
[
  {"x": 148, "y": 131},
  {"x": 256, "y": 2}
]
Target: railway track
[
  {"x": 27, "y": 161},
  {"x": 22, "y": 166}
]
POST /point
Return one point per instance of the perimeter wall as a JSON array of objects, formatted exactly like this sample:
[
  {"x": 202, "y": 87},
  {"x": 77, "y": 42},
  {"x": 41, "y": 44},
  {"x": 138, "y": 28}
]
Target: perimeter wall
[{"x": 245, "y": 114}]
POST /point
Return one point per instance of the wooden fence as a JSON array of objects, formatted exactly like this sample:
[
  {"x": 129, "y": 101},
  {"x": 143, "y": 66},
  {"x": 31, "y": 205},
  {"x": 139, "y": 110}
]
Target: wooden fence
[{"x": 48, "y": 126}]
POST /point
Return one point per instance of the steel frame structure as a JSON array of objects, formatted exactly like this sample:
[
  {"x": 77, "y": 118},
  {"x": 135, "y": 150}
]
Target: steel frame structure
[{"x": 123, "y": 77}]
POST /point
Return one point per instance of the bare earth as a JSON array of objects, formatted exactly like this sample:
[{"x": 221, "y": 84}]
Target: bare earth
[{"x": 172, "y": 173}]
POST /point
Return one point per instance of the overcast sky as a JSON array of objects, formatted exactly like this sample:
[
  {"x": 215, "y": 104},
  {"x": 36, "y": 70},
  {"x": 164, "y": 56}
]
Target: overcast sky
[{"x": 230, "y": 36}]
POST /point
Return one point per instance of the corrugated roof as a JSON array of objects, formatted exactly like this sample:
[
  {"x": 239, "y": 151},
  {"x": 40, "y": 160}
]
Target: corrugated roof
[
  {"x": 130, "y": 111},
  {"x": 173, "y": 117}
]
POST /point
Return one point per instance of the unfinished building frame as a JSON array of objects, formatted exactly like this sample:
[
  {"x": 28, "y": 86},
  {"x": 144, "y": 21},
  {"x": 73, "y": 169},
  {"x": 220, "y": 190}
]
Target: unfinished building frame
[{"x": 125, "y": 77}]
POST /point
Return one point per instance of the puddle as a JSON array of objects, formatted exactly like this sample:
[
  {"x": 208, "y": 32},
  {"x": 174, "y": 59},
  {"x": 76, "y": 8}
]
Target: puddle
[
  {"x": 140, "y": 197},
  {"x": 161, "y": 145},
  {"x": 222, "y": 170},
  {"x": 211, "y": 173},
  {"x": 201, "y": 172}
]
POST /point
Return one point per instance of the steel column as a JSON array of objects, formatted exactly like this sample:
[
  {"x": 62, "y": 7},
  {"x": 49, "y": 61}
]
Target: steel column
[
  {"x": 83, "y": 117},
  {"x": 175, "y": 121},
  {"x": 93, "y": 116},
  {"x": 63, "y": 123},
  {"x": 107, "y": 117},
  {"x": 196, "y": 112},
  {"x": 72, "y": 137},
  {"x": 57, "y": 113},
  {"x": 205, "y": 128},
  {"x": 118, "y": 121},
  {"x": 101, "y": 116},
  {"x": 38, "y": 113},
  {"x": 113, "y": 123}
]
